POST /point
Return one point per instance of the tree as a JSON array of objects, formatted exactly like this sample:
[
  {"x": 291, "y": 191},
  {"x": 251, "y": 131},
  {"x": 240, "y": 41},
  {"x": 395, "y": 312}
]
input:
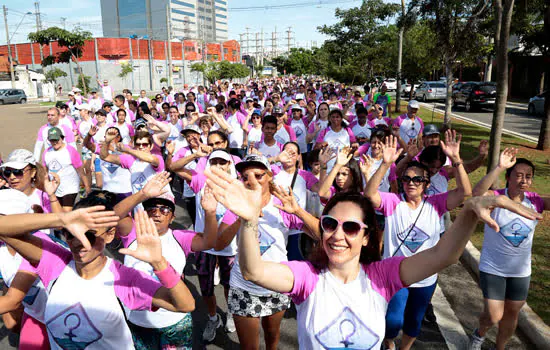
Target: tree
[
  {"x": 457, "y": 24},
  {"x": 54, "y": 74},
  {"x": 73, "y": 42},
  {"x": 503, "y": 10},
  {"x": 83, "y": 82},
  {"x": 125, "y": 69}
]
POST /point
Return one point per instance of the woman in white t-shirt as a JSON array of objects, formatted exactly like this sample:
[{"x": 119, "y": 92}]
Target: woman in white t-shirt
[
  {"x": 413, "y": 225},
  {"x": 320, "y": 122},
  {"x": 255, "y": 131},
  {"x": 505, "y": 264},
  {"x": 247, "y": 301},
  {"x": 87, "y": 291},
  {"x": 342, "y": 295}
]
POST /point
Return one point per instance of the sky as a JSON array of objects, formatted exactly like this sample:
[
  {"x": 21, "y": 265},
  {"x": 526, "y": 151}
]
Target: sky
[{"x": 304, "y": 20}]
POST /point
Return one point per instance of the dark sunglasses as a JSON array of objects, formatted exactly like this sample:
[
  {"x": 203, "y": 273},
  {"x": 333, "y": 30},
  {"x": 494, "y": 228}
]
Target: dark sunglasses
[
  {"x": 190, "y": 110},
  {"x": 164, "y": 210},
  {"x": 380, "y": 108},
  {"x": 218, "y": 161},
  {"x": 216, "y": 144},
  {"x": 90, "y": 235},
  {"x": 351, "y": 228},
  {"x": 257, "y": 176},
  {"x": 144, "y": 144},
  {"x": 16, "y": 172},
  {"x": 256, "y": 117},
  {"x": 417, "y": 180}
]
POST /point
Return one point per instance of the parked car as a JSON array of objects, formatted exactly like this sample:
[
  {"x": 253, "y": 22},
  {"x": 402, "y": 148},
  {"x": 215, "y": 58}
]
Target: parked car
[
  {"x": 407, "y": 88},
  {"x": 473, "y": 95},
  {"x": 536, "y": 104},
  {"x": 12, "y": 96},
  {"x": 430, "y": 90},
  {"x": 391, "y": 84}
]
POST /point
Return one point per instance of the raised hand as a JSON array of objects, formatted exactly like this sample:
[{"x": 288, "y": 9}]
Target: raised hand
[
  {"x": 211, "y": 110},
  {"x": 93, "y": 130},
  {"x": 81, "y": 220},
  {"x": 288, "y": 201},
  {"x": 110, "y": 135},
  {"x": 231, "y": 193},
  {"x": 204, "y": 150},
  {"x": 326, "y": 155},
  {"x": 483, "y": 148},
  {"x": 284, "y": 157},
  {"x": 344, "y": 156},
  {"x": 508, "y": 158},
  {"x": 51, "y": 185},
  {"x": 156, "y": 186},
  {"x": 208, "y": 201},
  {"x": 484, "y": 205},
  {"x": 122, "y": 148},
  {"x": 451, "y": 146},
  {"x": 149, "y": 248},
  {"x": 412, "y": 149},
  {"x": 170, "y": 147},
  {"x": 194, "y": 117},
  {"x": 389, "y": 150},
  {"x": 366, "y": 164}
]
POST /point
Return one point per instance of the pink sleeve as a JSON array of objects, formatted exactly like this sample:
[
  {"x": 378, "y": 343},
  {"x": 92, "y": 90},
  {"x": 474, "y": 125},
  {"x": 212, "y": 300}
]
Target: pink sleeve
[
  {"x": 185, "y": 240},
  {"x": 321, "y": 137},
  {"x": 126, "y": 161},
  {"x": 305, "y": 280},
  {"x": 40, "y": 136},
  {"x": 229, "y": 218},
  {"x": 129, "y": 238},
  {"x": 442, "y": 171},
  {"x": 388, "y": 202},
  {"x": 44, "y": 158},
  {"x": 236, "y": 159},
  {"x": 68, "y": 133},
  {"x": 241, "y": 118},
  {"x": 25, "y": 265},
  {"x": 351, "y": 136},
  {"x": 134, "y": 288},
  {"x": 275, "y": 169},
  {"x": 439, "y": 202},
  {"x": 398, "y": 121},
  {"x": 291, "y": 133},
  {"x": 393, "y": 173},
  {"x": 324, "y": 200},
  {"x": 370, "y": 123},
  {"x": 197, "y": 181},
  {"x": 385, "y": 277},
  {"x": 181, "y": 153},
  {"x": 131, "y": 131},
  {"x": 311, "y": 127},
  {"x": 75, "y": 157},
  {"x": 160, "y": 167},
  {"x": 291, "y": 221},
  {"x": 421, "y": 124},
  {"x": 363, "y": 149},
  {"x": 309, "y": 178},
  {"x": 54, "y": 259},
  {"x": 97, "y": 149}
]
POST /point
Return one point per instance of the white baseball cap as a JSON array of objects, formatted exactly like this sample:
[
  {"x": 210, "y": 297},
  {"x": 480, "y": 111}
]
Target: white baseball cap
[
  {"x": 19, "y": 159},
  {"x": 414, "y": 104},
  {"x": 83, "y": 106}
]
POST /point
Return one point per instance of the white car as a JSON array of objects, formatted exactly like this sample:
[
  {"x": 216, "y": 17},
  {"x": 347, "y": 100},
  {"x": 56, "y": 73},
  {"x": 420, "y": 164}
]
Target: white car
[
  {"x": 407, "y": 88},
  {"x": 391, "y": 84},
  {"x": 536, "y": 105}
]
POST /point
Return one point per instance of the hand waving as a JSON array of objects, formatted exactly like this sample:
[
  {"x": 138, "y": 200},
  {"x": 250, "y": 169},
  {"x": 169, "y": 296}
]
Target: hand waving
[
  {"x": 232, "y": 193},
  {"x": 389, "y": 150},
  {"x": 508, "y": 158},
  {"x": 208, "y": 201},
  {"x": 451, "y": 146},
  {"x": 110, "y": 135},
  {"x": 288, "y": 201},
  {"x": 326, "y": 155},
  {"x": 344, "y": 156},
  {"x": 51, "y": 185},
  {"x": 81, "y": 220},
  {"x": 149, "y": 248},
  {"x": 155, "y": 187},
  {"x": 484, "y": 205}
]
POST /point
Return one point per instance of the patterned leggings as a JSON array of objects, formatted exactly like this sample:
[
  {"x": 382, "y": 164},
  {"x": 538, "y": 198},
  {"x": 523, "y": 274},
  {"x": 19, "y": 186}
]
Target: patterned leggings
[{"x": 177, "y": 336}]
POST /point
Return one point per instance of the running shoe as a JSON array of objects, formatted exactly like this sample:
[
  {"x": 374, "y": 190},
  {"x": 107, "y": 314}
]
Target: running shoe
[
  {"x": 429, "y": 316},
  {"x": 217, "y": 276},
  {"x": 475, "y": 341},
  {"x": 230, "y": 324},
  {"x": 211, "y": 326}
]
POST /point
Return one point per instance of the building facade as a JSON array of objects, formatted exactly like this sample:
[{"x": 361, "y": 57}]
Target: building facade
[{"x": 204, "y": 20}]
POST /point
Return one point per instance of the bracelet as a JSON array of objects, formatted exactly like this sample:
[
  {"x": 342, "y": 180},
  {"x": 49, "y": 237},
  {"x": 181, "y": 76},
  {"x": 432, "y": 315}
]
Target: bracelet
[
  {"x": 168, "y": 277},
  {"x": 455, "y": 165},
  {"x": 57, "y": 200}
]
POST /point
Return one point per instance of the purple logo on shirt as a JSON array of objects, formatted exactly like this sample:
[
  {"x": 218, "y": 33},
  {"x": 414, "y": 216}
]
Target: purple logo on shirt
[
  {"x": 138, "y": 180},
  {"x": 515, "y": 232},
  {"x": 31, "y": 295},
  {"x": 54, "y": 166},
  {"x": 111, "y": 168},
  {"x": 413, "y": 238},
  {"x": 265, "y": 240},
  {"x": 347, "y": 331},
  {"x": 72, "y": 328}
]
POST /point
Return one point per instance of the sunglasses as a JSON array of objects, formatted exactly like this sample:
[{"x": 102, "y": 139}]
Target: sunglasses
[
  {"x": 351, "y": 228},
  {"x": 256, "y": 117},
  {"x": 144, "y": 144},
  {"x": 164, "y": 210},
  {"x": 216, "y": 144},
  {"x": 380, "y": 108},
  {"x": 218, "y": 161},
  {"x": 190, "y": 110},
  {"x": 90, "y": 235},
  {"x": 417, "y": 180},
  {"x": 257, "y": 176},
  {"x": 16, "y": 172}
]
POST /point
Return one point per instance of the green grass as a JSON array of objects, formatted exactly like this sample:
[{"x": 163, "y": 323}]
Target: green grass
[
  {"x": 47, "y": 104},
  {"x": 471, "y": 136}
]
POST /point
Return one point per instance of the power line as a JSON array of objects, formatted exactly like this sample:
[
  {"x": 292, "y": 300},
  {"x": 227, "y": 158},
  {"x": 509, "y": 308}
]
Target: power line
[{"x": 289, "y": 6}]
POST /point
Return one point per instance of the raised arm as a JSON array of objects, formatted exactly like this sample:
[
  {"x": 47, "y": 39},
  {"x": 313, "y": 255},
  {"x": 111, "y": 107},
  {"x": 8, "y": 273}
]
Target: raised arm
[
  {"x": 207, "y": 239},
  {"x": 141, "y": 155},
  {"x": 507, "y": 160},
  {"x": 390, "y": 155},
  {"x": 104, "y": 150},
  {"x": 451, "y": 148},
  {"x": 448, "y": 250},
  {"x": 326, "y": 180},
  {"x": 88, "y": 140},
  {"x": 290, "y": 205}
]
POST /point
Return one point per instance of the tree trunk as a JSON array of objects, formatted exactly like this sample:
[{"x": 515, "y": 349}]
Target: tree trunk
[
  {"x": 503, "y": 15},
  {"x": 81, "y": 75},
  {"x": 544, "y": 136},
  {"x": 449, "y": 86},
  {"x": 399, "y": 64}
]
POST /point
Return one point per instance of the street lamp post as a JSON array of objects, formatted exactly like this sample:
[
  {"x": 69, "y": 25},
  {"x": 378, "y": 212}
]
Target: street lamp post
[
  {"x": 182, "y": 59},
  {"x": 8, "y": 39}
]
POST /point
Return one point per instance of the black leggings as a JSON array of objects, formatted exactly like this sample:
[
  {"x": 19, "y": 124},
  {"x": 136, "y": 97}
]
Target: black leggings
[{"x": 191, "y": 207}]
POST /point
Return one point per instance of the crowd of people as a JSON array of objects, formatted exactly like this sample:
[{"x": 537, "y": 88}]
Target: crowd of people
[{"x": 301, "y": 193}]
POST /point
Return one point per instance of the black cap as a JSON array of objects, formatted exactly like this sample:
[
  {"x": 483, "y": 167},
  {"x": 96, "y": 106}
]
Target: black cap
[
  {"x": 60, "y": 104},
  {"x": 107, "y": 104},
  {"x": 153, "y": 202},
  {"x": 102, "y": 112}
]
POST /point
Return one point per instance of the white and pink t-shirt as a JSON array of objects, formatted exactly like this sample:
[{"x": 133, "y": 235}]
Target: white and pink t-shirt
[
  {"x": 300, "y": 127},
  {"x": 236, "y": 138},
  {"x": 96, "y": 103},
  {"x": 273, "y": 229},
  {"x": 82, "y": 313},
  {"x": 304, "y": 182},
  {"x": 116, "y": 179},
  {"x": 404, "y": 237},
  {"x": 64, "y": 163},
  {"x": 336, "y": 140},
  {"x": 42, "y": 138},
  {"x": 269, "y": 151},
  {"x": 311, "y": 129},
  {"x": 507, "y": 253},
  {"x": 140, "y": 171},
  {"x": 385, "y": 121},
  {"x": 285, "y": 134},
  {"x": 126, "y": 131},
  {"x": 107, "y": 91},
  {"x": 182, "y": 153},
  {"x": 361, "y": 131},
  {"x": 176, "y": 247},
  {"x": 336, "y": 315},
  {"x": 409, "y": 128}
]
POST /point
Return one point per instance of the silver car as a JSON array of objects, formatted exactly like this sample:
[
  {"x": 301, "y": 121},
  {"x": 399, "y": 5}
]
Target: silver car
[
  {"x": 431, "y": 90},
  {"x": 12, "y": 96},
  {"x": 536, "y": 104}
]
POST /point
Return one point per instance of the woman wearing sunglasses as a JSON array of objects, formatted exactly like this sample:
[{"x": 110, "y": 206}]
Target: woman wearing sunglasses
[
  {"x": 87, "y": 291},
  {"x": 376, "y": 117},
  {"x": 206, "y": 260},
  {"x": 251, "y": 303},
  {"x": 413, "y": 224},
  {"x": 342, "y": 295}
]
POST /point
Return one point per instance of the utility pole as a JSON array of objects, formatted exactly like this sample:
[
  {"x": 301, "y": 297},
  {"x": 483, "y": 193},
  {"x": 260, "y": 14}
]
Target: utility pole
[
  {"x": 241, "y": 42},
  {"x": 400, "y": 60},
  {"x": 38, "y": 26},
  {"x": 262, "y": 46},
  {"x": 169, "y": 39},
  {"x": 257, "y": 49},
  {"x": 64, "y": 21},
  {"x": 247, "y": 41},
  {"x": 288, "y": 38},
  {"x": 274, "y": 43},
  {"x": 10, "y": 58}
]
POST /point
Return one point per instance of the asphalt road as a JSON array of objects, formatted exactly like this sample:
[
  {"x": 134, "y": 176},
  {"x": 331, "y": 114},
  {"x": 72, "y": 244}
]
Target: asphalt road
[{"x": 457, "y": 301}]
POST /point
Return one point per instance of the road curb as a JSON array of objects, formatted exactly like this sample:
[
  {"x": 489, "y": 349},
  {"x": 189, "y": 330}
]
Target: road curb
[
  {"x": 478, "y": 123},
  {"x": 529, "y": 322}
]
